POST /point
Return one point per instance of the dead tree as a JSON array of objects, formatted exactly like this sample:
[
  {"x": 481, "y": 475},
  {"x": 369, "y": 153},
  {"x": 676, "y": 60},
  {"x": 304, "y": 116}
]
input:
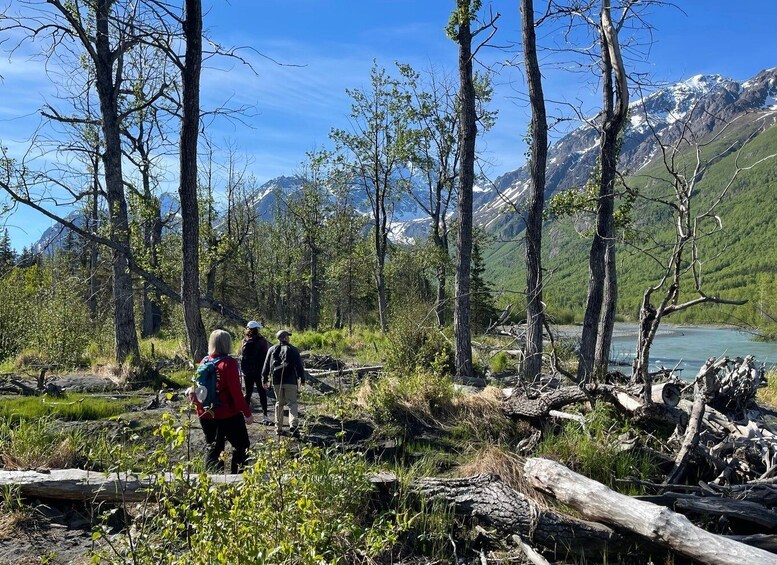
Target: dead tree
[
  {"x": 535, "y": 315},
  {"x": 686, "y": 164}
]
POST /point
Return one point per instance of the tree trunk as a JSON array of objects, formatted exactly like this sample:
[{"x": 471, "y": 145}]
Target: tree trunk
[
  {"x": 94, "y": 216},
  {"x": 607, "y": 321},
  {"x": 597, "y": 502},
  {"x": 467, "y": 134},
  {"x": 441, "y": 244},
  {"x": 539, "y": 154},
  {"x": 152, "y": 236},
  {"x": 126, "y": 338},
  {"x": 598, "y": 313},
  {"x": 315, "y": 293},
  {"x": 187, "y": 189}
]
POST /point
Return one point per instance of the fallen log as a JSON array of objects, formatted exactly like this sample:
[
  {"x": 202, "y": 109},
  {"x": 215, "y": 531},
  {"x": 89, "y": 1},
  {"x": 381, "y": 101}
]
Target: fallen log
[
  {"x": 521, "y": 406},
  {"x": 345, "y": 371},
  {"x": 489, "y": 500},
  {"x": 81, "y": 485},
  {"x": 567, "y": 416},
  {"x": 743, "y": 510},
  {"x": 77, "y": 484},
  {"x": 597, "y": 502},
  {"x": 691, "y": 439},
  {"x": 762, "y": 541}
]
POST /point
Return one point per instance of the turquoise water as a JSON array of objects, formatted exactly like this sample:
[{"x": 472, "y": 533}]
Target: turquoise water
[{"x": 691, "y": 346}]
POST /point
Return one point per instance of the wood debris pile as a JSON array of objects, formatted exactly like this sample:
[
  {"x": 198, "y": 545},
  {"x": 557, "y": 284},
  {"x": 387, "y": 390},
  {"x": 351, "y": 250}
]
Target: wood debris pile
[{"x": 717, "y": 502}]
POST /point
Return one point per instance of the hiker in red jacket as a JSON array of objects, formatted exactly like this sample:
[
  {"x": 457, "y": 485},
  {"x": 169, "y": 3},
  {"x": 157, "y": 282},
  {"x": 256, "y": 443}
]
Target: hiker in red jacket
[{"x": 226, "y": 421}]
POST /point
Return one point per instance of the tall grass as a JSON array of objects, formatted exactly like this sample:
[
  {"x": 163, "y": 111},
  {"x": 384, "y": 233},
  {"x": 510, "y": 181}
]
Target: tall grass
[
  {"x": 37, "y": 443},
  {"x": 594, "y": 450},
  {"x": 768, "y": 394},
  {"x": 364, "y": 344}
]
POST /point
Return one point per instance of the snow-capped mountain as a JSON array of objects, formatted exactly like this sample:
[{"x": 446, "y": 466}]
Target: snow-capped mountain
[{"x": 701, "y": 104}]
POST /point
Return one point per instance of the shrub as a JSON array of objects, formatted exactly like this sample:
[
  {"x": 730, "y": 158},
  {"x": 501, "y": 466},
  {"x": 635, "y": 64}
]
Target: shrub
[
  {"x": 412, "y": 347},
  {"x": 418, "y": 397},
  {"x": 562, "y": 316},
  {"x": 44, "y": 312},
  {"x": 500, "y": 362},
  {"x": 305, "y": 507}
]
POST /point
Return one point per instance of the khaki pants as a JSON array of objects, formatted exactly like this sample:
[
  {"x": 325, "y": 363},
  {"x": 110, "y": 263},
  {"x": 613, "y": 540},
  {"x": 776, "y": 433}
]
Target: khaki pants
[{"x": 285, "y": 395}]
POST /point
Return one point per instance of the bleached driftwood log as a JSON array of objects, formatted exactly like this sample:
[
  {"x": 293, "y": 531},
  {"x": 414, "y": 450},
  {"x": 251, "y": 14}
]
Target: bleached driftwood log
[
  {"x": 597, "y": 502},
  {"x": 77, "y": 484},
  {"x": 691, "y": 439}
]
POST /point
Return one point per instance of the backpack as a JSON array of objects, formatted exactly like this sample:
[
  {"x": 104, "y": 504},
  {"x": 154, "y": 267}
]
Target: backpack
[
  {"x": 279, "y": 363},
  {"x": 206, "y": 378}
]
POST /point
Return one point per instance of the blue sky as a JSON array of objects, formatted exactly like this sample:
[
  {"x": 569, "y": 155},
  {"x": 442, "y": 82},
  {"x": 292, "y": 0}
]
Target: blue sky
[{"x": 329, "y": 45}]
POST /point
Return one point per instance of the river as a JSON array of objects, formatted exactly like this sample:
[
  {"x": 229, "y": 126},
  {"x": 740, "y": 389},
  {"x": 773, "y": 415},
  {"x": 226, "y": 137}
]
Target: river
[
  {"x": 688, "y": 347},
  {"x": 691, "y": 346}
]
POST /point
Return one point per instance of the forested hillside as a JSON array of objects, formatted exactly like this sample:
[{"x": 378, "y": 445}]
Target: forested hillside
[{"x": 737, "y": 260}]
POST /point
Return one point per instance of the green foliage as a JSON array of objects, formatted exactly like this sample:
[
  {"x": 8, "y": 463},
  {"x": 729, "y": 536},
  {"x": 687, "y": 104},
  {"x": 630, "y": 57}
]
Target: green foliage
[
  {"x": 500, "y": 362},
  {"x": 407, "y": 397},
  {"x": 43, "y": 311},
  {"x": 72, "y": 406},
  {"x": 594, "y": 450},
  {"x": 413, "y": 347},
  {"x": 305, "y": 507},
  {"x": 465, "y": 12},
  {"x": 333, "y": 341},
  {"x": 483, "y": 310}
]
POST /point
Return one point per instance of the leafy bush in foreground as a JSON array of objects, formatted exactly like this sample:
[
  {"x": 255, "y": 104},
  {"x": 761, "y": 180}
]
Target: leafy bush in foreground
[{"x": 305, "y": 507}]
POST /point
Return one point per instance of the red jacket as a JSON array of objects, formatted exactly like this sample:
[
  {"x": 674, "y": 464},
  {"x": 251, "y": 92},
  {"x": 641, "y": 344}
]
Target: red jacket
[{"x": 228, "y": 390}]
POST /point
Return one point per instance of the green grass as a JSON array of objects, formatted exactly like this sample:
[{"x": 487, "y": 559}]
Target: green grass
[
  {"x": 768, "y": 394},
  {"x": 37, "y": 443},
  {"x": 593, "y": 450},
  {"x": 73, "y": 406},
  {"x": 364, "y": 344}
]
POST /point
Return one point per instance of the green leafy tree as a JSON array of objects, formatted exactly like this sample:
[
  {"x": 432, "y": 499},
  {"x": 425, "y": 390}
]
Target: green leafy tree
[{"x": 374, "y": 151}]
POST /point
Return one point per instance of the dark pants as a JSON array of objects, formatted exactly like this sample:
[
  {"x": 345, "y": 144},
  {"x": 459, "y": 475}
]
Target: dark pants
[
  {"x": 217, "y": 433},
  {"x": 250, "y": 382}
]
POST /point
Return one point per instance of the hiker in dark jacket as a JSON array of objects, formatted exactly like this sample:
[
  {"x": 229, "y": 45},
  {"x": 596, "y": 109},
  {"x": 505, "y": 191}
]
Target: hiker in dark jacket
[
  {"x": 227, "y": 421},
  {"x": 252, "y": 354},
  {"x": 284, "y": 364}
]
